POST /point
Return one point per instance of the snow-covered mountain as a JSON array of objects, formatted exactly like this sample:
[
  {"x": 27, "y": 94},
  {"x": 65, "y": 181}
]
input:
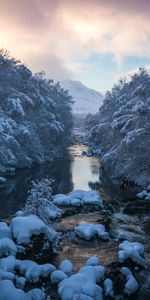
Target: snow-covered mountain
[{"x": 85, "y": 100}]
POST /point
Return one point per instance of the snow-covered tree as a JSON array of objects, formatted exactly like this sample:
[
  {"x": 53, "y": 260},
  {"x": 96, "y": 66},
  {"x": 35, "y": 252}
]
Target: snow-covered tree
[
  {"x": 122, "y": 136},
  {"x": 40, "y": 199},
  {"x": 35, "y": 116}
]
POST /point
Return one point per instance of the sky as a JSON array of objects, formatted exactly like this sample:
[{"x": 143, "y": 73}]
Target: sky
[{"x": 94, "y": 41}]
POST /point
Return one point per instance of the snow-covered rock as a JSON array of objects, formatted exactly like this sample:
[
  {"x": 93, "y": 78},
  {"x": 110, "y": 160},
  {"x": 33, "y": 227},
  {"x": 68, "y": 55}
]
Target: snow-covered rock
[
  {"x": 5, "y": 231},
  {"x": 78, "y": 198},
  {"x": 35, "y": 294},
  {"x": 32, "y": 271},
  {"x": 20, "y": 282},
  {"x": 93, "y": 198},
  {"x": 9, "y": 292},
  {"x": 66, "y": 266},
  {"x": 145, "y": 194},
  {"x": 132, "y": 250},
  {"x": 88, "y": 231},
  {"x": 83, "y": 282},
  {"x": 131, "y": 284},
  {"x": 24, "y": 227},
  {"x": 57, "y": 276},
  {"x": 7, "y": 247},
  {"x": 92, "y": 261},
  {"x": 108, "y": 287}
]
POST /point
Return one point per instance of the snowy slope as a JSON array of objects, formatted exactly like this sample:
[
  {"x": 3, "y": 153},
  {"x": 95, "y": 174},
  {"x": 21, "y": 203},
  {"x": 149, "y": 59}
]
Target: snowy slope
[{"x": 85, "y": 100}]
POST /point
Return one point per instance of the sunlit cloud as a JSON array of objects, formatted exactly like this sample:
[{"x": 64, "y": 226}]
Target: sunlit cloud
[{"x": 67, "y": 31}]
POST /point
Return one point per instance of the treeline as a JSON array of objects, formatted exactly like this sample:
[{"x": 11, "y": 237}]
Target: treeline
[{"x": 35, "y": 116}]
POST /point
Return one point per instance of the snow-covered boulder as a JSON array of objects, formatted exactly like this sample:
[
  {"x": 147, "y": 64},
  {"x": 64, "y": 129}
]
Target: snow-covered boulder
[
  {"x": 77, "y": 194},
  {"x": 92, "y": 261},
  {"x": 24, "y": 227},
  {"x": 131, "y": 284},
  {"x": 8, "y": 263},
  {"x": 7, "y": 247},
  {"x": 32, "y": 271},
  {"x": 81, "y": 283},
  {"x": 92, "y": 198},
  {"x": 108, "y": 287},
  {"x": 66, "y": 266},
  {"x": 87, "y": 231},
  {"x": 36, "y": 294},
  {"x": 57, "y": 276},
  {"x": 66, "y": 200},
  {"x": 20, "y": 282},
  {"x": 9, "y": 292},
  {"x": 132, "y": 250},
  {"x": 5, "y": 231},
  {"x": 145, "y": 194}
]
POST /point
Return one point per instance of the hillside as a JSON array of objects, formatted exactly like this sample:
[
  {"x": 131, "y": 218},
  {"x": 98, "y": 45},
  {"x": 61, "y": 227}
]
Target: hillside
[
  {"x": 35, "y": 117},
  {"x": 122, "y": 135},
  {"x": 85, "y": 100}
]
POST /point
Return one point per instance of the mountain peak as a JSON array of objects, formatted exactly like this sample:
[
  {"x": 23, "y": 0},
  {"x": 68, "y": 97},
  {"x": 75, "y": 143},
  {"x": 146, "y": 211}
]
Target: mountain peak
[{"x": 86, "y": 100}]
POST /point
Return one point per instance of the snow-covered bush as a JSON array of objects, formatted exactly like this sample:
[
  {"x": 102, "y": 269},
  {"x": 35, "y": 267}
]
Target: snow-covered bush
[
  {"x": 35, "y": 116},
  {"x": 121, "y": 136},
  {"x": 39, "y": 202}
]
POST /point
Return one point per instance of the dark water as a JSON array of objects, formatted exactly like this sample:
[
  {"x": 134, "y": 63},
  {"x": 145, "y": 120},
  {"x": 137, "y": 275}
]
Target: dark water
[{"x": 71, "y": 172}]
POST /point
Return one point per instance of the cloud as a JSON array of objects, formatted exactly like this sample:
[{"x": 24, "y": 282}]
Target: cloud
[{"x": 60, "y": 33}]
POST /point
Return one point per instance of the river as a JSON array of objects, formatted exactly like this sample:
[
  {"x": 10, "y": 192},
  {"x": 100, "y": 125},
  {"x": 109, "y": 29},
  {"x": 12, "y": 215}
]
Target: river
[{"x": 71, "y": 172}]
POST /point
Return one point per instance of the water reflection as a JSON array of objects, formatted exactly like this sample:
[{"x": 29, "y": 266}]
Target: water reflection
[
  {"x": 84, "y": 169},
  {"x": 73, "y": 171}
]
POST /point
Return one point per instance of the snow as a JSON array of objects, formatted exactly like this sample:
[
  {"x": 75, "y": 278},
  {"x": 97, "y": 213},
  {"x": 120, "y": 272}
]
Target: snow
[
  {"x": 85, "y": 100},
  {"x": 5, "y": 231},
  {"x": 131, "y": 284},
  {"x": 35, "y": 294},
  {"x": 2, "y": 180},
  {"x": 24, "y": 227},
  {"x": 87, "y": 231},
  {"x": 100, "y": 272},
  {"x": 108, "y": 287},
  {"x": 93, "y": 198},
  {"x": 132, "y": 250},
  {"x": 77, "y": 194},
  {"x": 144, "y": 194},
  {"x": 66, "y": 266},
  {"x": 92, "y": 261},
  {"x": 65, "y": 200},
  {"x": 7, "y": 247},
  {"x": 57, "y": 276},
  {"x": 10, "y": 292},
  {"x": 32, "y": 271},
  {"x": 83, "y": 282},
  {"x": 121, "y": 134},
  {"x": 20, "y": 282},
  {"x": 8, "y": 263},
  {"x": 23, "y": 132},
  {"x": 78, "y": 198}
]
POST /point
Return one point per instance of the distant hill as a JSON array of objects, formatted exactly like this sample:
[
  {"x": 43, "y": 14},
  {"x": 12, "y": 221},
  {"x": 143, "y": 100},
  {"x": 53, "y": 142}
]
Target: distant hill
[{"x": 86, "y": 100}]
